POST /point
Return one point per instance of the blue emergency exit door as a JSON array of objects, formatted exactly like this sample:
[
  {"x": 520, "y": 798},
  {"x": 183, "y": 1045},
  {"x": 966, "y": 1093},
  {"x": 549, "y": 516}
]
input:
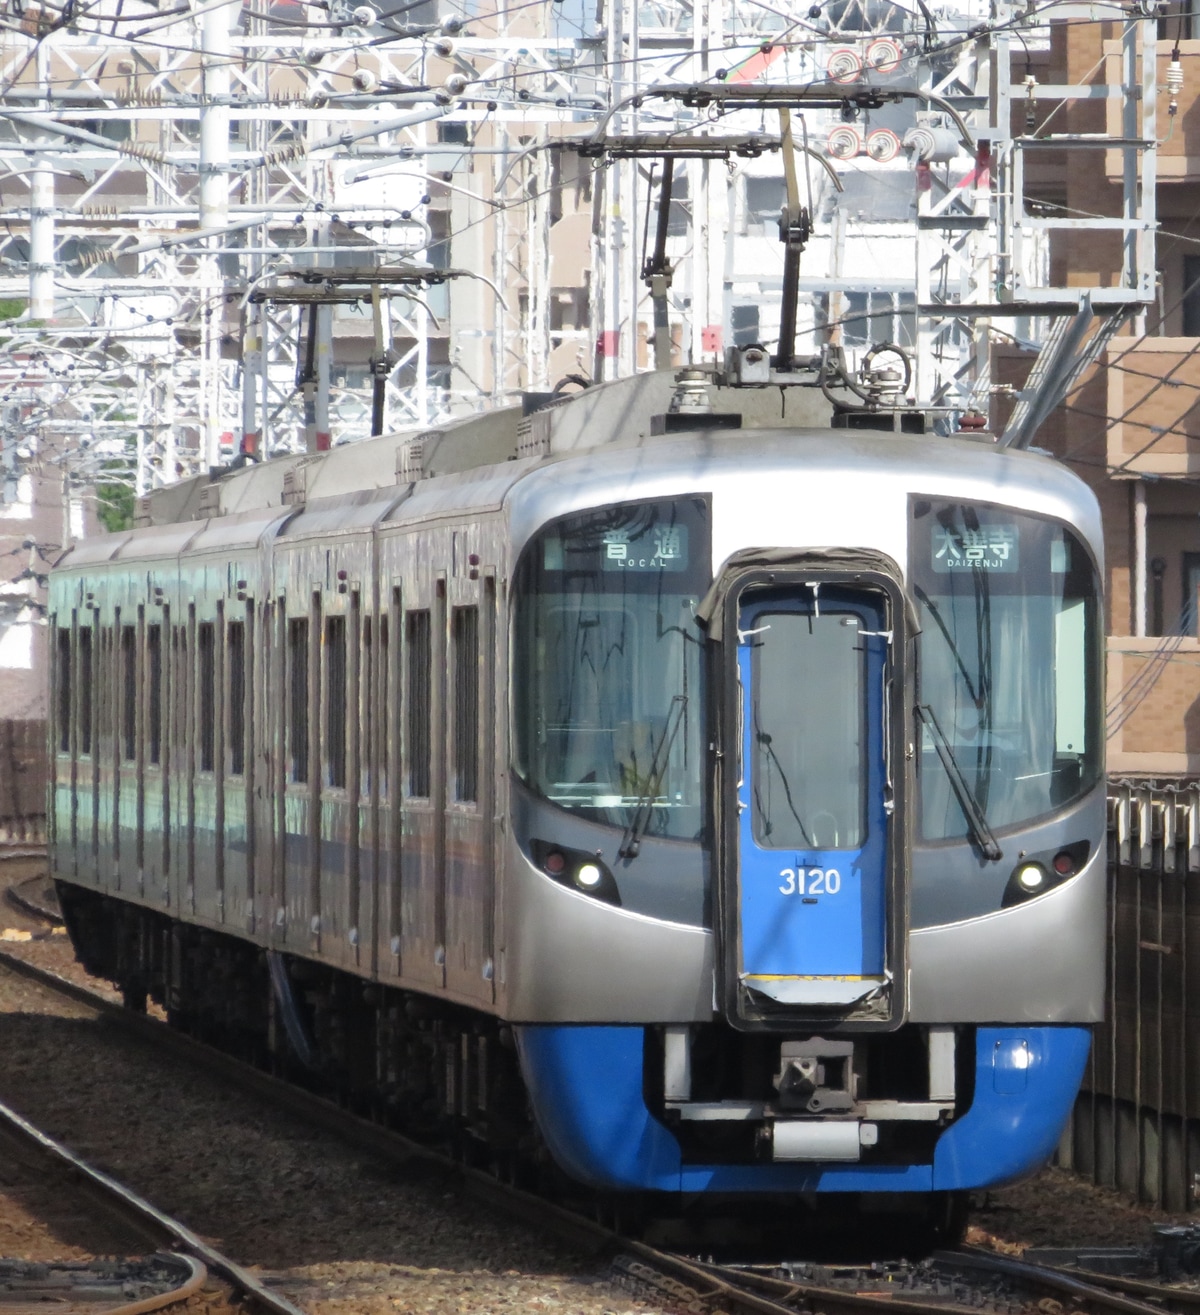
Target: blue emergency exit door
[{"x": 813, "y": 812}]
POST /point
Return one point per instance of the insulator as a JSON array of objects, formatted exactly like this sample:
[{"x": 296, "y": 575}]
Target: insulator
[
  {"x": 455, "y": 84},
  {"x": 1174, "y": 78},
  {"x": 443, "y": 48},
  {"x": 884, "y": 55},
  {"x": 365, "y": 79},
  {"x": 141, "y": 151},
  {"x": 931, "y": 145},
  {"x": 844, "y": 65},
  {"x": 844, "y": 142},
  {"x": 883, "y": 145}
]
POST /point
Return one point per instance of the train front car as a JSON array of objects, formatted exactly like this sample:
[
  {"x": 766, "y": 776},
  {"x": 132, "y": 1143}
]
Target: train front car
[{"x": 805, "y": 883}]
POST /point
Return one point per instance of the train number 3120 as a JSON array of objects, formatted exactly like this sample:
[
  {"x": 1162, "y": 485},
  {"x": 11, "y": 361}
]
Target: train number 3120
[{"x": 810, "y": 881}]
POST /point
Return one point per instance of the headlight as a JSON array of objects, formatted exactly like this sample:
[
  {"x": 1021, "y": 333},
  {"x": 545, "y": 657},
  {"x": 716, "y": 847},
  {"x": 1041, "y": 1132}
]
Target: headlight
[
  {"x": 576, "y": 868},
  {"x": 588, "y": 875},
  {"x": 1030, "y": 877},
  {"x": 1040, "y": 872}
]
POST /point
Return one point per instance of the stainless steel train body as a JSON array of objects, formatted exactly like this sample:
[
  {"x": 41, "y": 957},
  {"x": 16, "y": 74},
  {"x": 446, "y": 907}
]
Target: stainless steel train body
[{"x": 744, "y": 785}]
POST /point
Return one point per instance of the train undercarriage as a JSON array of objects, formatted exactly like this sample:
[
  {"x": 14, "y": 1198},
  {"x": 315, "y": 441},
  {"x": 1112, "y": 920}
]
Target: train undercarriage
[{"x": 441, "y": 1074}]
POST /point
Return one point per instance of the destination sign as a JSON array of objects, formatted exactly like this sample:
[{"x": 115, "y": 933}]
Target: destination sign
[
  {"x": 659, "y": 548},
  {"x": 985, "y": 548}
]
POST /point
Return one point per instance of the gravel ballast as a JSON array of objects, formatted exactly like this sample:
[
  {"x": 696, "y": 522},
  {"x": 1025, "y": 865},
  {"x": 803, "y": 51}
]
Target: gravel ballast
[{"x": 337, "y": 1231}]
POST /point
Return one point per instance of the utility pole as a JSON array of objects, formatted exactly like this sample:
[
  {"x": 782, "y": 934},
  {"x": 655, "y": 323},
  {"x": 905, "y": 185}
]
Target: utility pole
[
  {"x": 215, "y": 23},
  {"x": 41, "y": 214}
]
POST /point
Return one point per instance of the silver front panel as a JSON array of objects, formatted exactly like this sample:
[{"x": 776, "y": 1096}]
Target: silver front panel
[
  {"x": 1039, "y": 962},
  {"x": 569, "y": 958}
]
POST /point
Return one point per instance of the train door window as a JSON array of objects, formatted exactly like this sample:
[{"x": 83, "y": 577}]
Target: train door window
[
  {"x": 298, "y": 699},
  {"x": 86, "y": 676},
  {"x": 176, "y": 682},
  {"x": 154, "y": 693},
  {"x": 129, "y": 692},
  {"x": 104, "y": 684},
  {"x": 366, "y": 703},
  {"x": 419, "y": 701},
  {"x": 207, "y": 655},
  {"x": 464, "y": 637},
  {"x": 335, "y": 700},
  {"x": 64, "y": 690},
  {"x": 236, "y": 642},
  {"x": 385, "y": 707}
]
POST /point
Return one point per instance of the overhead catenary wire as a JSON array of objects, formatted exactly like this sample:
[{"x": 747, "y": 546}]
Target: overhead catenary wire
[{"x": 522, "y": 75}]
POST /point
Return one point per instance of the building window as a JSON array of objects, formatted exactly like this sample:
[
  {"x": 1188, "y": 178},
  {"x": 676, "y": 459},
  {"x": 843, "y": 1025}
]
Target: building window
[
  {"x": 1190, "y": 607},
  {"x": 1191, "y": 297},
  {"x": 419, "y": 700},
  {"x": 154, "y": 702},
  {"x": 1177, "y": 20},
  {"x": 571, "y": 174},
  {"x": 745, "y": 325},
  {"x": 236, "y": 640},
  {"x": 129, "y": 692},
  {"x": 453, "y": 134},
  {"x": 765, "y": 198},
  {"x": 335, "y": 700},
  {"x": 206, "y": 651},
  {"x": 679, "y": 217},
  {"x": 877, "y": 317},
  {"x": 298, "y": 698},
  {"x": 464, "y": 634},
  {"x": 569, "y": 309},
  {"x": 438, "y": 252}
]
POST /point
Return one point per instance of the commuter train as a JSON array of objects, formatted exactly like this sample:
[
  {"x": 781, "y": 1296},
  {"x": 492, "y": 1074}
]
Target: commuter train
[{"x": 696, "y": 785}]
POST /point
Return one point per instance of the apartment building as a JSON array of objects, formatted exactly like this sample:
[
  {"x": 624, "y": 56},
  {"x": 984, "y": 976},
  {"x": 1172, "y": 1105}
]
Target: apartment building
[{"x": 1131, "y": 426}]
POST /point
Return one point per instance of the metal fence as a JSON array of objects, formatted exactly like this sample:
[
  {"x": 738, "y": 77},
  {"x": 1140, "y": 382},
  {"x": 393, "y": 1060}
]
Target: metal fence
[
  {"x": 1136, "y": 1124},
  {"x": 24, "y": 768}
]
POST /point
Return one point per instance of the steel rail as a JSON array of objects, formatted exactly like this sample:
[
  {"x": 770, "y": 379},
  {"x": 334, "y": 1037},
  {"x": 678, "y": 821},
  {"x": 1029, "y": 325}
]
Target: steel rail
[
  {"x": 723, "y": 1289},
  {"x": 1144, "y": 1293},
  {"x": 573, "y": 1228},
  {"x": 1163, "y": 1296},
  {"x": 134, "y": 1208},
  {"x": 16, "y": 896},
  {"x": 147, "y": 1218},
  {"x": 711, "y": 1285},
  {"x": 80, "y": 1285},
  {"x": 1058, "y": 1280}
]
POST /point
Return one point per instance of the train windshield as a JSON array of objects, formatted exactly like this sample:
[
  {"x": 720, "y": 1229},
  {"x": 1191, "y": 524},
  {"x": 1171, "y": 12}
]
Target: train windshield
[
  {"x": 608, "y": 703},
  {"x": 1009, "y": 666}
]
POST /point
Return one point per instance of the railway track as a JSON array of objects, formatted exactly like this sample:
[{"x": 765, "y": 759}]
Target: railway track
[
  {"x": 951, "y": 1283},
  {"x": 178, "y": 1270}
]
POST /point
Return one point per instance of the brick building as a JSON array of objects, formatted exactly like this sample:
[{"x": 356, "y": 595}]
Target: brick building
[{"x": 1131, "y": 429}]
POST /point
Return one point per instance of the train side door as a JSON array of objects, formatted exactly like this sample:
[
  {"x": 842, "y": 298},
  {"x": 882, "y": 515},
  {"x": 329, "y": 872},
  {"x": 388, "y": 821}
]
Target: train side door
[
  {"x": 422, "y": 904},
  {"x": 470, "y": 751},
  {"x": 813, "y": 806}
]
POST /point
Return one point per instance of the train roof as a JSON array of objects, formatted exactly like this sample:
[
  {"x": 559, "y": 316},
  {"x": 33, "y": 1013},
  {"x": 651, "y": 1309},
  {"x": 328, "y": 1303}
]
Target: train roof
[
  {"x": 598, "y": 446},
  {"x": 607, "y": 413}
]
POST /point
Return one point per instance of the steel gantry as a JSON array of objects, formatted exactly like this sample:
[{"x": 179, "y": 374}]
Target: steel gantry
[{"x": 161, "y": 166}]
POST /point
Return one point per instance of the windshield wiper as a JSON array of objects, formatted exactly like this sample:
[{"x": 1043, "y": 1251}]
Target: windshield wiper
[
  {"x": 981, "y": 833},
  {"x": 631, "y": 840},
  {"x": 977, "y": 696}
]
